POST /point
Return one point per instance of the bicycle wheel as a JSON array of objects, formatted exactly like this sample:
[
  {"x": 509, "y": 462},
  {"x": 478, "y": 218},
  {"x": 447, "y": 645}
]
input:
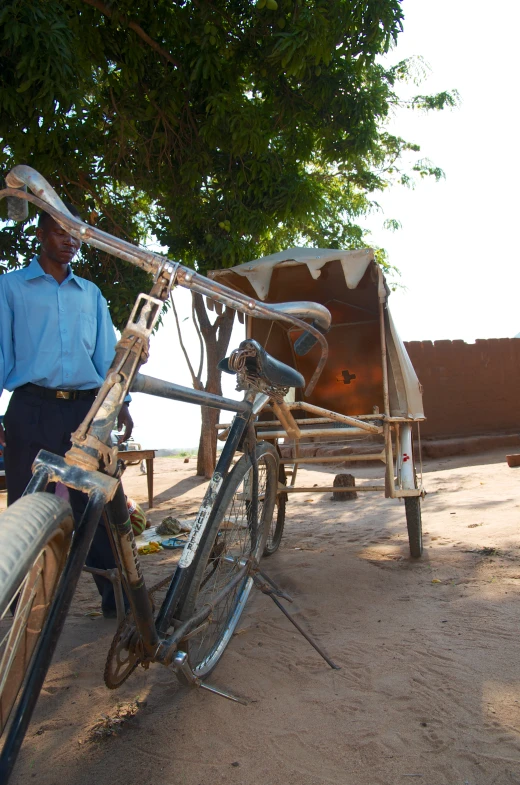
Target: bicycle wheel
[
  {"x": 35, "y": 535},
  {"x": 275, "y": 530},
  {"x": 230, "y": 541}
]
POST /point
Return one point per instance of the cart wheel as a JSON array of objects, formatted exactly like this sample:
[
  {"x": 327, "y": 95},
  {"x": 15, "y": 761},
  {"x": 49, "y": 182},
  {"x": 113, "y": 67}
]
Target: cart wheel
[
  {"x": 276, "y": 528},
  {"x": 414, "y": 523},
  {"x": 274, "y": 536}
]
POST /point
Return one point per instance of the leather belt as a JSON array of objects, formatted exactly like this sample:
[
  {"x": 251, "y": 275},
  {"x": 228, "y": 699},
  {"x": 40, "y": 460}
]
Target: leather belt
[{"x": 64, "y": 395}]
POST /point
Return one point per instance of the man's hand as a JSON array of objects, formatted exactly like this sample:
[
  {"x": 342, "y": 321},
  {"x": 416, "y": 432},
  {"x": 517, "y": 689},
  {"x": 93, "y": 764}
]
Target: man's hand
[
  {"x": 125, "y": 421},
  {"x": 2, "y": 436}
]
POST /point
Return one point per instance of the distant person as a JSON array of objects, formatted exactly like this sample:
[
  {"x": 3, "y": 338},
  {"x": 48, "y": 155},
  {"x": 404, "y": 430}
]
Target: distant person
[{"x": 56, "y": 344}]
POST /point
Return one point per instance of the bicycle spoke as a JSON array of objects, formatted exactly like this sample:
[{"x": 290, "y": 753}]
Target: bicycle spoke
[
  {"x": 9, "y": 645},
  {"x": 233, "y": 544},
  {"x": 236, "y": 541}
]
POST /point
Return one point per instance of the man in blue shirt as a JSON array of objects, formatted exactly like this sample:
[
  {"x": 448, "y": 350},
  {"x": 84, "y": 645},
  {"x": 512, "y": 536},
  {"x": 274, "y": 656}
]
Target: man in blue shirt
[{"x": 57, "y": 342}]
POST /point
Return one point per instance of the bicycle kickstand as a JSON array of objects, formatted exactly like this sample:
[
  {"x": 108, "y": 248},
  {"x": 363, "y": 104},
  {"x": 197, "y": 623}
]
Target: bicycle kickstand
[
  {"x": 269, "y": 587},
  {"x": 183, "y": 669}
]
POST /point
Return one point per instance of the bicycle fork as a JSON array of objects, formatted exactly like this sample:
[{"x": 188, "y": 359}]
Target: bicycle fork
[{"x": 135, "y": 588}]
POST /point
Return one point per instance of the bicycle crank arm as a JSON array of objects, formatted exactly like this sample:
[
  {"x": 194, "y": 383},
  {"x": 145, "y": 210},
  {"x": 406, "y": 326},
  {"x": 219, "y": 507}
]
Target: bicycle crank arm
[{"x": 186, "y": 676}]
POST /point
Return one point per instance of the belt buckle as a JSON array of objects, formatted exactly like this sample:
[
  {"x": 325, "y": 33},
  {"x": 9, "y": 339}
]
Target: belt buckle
[{"x": 65, "y": 394}]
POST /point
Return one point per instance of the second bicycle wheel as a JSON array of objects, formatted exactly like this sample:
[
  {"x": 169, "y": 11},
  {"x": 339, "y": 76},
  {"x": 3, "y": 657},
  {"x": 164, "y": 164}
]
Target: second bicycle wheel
[
  {"x": 276, "y": 526},
  {"x": 230, "y": 541},
  {"x": 35, "y": 535}
]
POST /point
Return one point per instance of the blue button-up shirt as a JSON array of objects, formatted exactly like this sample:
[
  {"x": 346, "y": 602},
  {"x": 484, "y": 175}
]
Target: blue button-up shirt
[{"x": 54, "y": 335}]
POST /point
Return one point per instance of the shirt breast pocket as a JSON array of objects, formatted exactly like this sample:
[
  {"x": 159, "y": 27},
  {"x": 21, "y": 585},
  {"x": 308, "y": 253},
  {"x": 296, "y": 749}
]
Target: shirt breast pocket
[{"x": 88, "y": 331}]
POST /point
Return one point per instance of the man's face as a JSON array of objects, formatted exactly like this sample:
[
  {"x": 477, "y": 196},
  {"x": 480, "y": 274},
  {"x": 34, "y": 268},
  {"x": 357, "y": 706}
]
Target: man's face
[{"x": 56, "y": 243}]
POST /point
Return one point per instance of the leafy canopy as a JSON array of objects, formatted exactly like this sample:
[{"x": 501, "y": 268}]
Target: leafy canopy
[{"x": 227, "y": 129}]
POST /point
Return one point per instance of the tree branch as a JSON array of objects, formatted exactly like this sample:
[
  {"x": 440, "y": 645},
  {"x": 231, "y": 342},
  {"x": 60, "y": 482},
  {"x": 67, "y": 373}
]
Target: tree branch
[
  {"x": 196, "y": 380},
  {"x": 106, "y": 11},
  {"x": 206, "y": 327},
  {"x": 201, "y": 341},
  {"x": 225, "y": 329}
]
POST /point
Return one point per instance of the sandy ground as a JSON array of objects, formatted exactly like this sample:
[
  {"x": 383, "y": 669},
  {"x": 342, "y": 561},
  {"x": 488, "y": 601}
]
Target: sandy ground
[{"x": 429, "y": 686}]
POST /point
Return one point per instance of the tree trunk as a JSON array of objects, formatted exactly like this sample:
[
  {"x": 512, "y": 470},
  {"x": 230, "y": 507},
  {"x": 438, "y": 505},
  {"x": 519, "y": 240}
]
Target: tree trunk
[
  {"x": 207, "y": 454},
  {"x": 216, "y": 340}
]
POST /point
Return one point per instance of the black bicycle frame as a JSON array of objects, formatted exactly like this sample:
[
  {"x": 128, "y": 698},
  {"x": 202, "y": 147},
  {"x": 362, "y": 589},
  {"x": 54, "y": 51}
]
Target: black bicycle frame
[{"x": 100, "y": 487}]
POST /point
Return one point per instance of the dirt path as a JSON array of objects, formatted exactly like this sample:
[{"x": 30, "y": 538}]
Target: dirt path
[{"x": 429, "y": 686}]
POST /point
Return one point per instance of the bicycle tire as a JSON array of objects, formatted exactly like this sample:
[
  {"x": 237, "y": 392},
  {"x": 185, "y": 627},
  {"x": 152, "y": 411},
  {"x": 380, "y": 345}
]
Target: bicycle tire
[
  {"x": 277, "y": 523},
  {"x": 412, "y": 506},
  {"x": 229, "y": 542},
  {"x": 35, "y": 536}
]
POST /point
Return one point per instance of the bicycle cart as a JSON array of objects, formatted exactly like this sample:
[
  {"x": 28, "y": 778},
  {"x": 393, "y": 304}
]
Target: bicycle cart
[{"x": 367, "y": 406}]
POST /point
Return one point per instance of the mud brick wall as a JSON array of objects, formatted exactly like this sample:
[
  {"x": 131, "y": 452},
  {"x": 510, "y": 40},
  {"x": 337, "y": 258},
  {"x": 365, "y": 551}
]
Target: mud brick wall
[{"x": 469, "y": 389}]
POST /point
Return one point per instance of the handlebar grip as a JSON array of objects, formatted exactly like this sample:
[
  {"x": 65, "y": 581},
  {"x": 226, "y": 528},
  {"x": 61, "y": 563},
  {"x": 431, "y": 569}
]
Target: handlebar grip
[{"x": 306, "y": 341}]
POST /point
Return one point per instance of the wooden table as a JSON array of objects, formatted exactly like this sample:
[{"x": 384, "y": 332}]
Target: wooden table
[{"x": 132, "y": 456}]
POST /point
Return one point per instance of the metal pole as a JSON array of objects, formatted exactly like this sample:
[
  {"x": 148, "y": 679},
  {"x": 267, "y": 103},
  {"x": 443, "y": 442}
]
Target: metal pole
[
  {"x": 270, "y": 591},
  {"x": 163, "y": 389},
  {"x": 338, "y": 458},
  {"x": 308, "y": 407},
  {"x": 390, "y": 483}
]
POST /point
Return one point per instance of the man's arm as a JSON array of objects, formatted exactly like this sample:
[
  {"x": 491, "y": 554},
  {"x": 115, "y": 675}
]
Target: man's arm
[
  {"x": 2, "y": 432},
  {"x": 125, "y": 421},
  {"x": 6, "y": 345}
]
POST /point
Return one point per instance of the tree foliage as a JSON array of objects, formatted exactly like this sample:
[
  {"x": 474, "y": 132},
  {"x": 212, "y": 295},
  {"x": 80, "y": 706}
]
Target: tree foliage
[{"x": 227, "y": 129}]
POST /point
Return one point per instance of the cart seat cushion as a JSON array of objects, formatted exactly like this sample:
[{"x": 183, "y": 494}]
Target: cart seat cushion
[{"x": 258, "y": 361}]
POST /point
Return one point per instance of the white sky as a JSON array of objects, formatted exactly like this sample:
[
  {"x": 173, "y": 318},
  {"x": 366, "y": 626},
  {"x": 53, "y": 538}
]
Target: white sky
[{"x": 456, "y": 235}]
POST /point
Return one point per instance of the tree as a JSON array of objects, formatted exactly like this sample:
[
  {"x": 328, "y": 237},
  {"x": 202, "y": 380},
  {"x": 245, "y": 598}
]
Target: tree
[{"x": 227, "y": 129}]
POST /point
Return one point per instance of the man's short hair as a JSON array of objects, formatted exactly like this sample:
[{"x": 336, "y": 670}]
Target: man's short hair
[{"x": 45, "y": 217}]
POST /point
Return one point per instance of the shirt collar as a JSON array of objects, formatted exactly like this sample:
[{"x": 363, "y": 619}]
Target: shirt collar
[{"x": 35, "y": 270}]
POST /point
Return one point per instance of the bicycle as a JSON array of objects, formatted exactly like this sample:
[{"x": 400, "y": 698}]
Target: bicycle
[{"x": 42, "y": 552}]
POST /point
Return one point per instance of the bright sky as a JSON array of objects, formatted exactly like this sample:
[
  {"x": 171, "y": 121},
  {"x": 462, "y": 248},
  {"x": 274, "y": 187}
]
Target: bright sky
[{"x": 456, "y": 250}]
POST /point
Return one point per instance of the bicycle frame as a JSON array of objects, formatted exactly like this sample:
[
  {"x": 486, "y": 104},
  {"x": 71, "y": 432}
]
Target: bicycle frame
[{"x": 90, "y": 465}]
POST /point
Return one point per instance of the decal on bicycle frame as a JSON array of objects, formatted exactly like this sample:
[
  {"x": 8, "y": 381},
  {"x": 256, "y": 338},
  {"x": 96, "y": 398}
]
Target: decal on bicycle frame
[{"x": 201, "y": 520}]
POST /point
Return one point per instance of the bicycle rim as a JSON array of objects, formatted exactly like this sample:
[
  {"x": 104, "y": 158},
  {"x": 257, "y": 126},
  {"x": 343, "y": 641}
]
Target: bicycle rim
[
  {"x": 34, "y": 543},
  {"x": 230, "y": 542}
]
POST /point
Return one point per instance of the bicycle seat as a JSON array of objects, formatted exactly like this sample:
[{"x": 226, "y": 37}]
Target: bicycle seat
[{"x": 252, "y": 358}]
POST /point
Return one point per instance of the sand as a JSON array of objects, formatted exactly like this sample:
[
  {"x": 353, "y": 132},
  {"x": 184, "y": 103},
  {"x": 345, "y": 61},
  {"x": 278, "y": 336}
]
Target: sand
[{"x": 429, "y": 685}]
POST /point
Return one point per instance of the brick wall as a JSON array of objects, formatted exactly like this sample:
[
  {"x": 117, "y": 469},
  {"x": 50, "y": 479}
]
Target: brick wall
[{"x": 469, "y": 389}]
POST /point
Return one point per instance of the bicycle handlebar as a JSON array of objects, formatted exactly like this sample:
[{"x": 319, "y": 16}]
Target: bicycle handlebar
[{"x": 45, "y": 198}]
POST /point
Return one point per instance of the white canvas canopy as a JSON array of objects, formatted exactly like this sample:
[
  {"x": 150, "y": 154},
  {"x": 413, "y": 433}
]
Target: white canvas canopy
[
  {"x": 404, "y": 386},
  {"x": 259, "y": 271}
]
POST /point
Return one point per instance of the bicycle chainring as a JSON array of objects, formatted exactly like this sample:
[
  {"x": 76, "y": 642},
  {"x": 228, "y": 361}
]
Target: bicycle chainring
[{"x": 123, "y": 658}]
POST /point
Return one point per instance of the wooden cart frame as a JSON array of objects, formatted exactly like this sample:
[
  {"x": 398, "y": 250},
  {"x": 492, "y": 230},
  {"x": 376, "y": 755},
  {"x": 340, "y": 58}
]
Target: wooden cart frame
[{"x": 368, "y": 387}]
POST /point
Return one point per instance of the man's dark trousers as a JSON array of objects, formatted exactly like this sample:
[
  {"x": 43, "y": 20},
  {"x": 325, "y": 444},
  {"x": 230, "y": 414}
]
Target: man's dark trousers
[{"x": 33, "y": 423}]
